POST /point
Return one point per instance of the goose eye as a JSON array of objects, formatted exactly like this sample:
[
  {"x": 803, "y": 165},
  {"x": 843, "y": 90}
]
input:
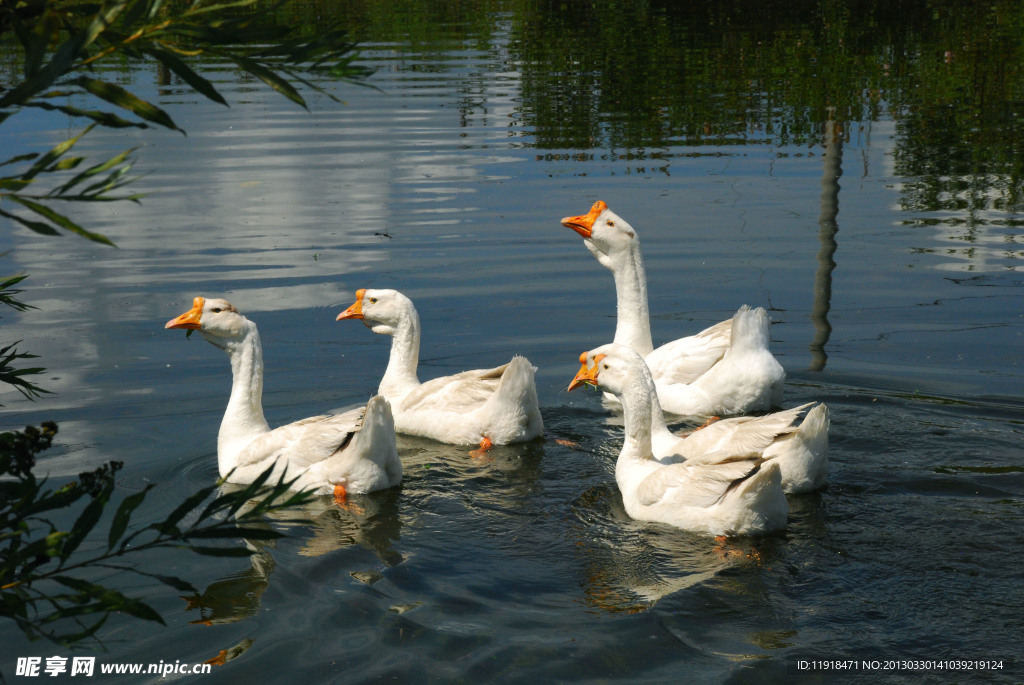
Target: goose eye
[
  {"x": 216, "y": 310},
  {"x": 612, "y": 224},
  {"x": 372, "y": 300},
  {"x": 605, "y": 366}
]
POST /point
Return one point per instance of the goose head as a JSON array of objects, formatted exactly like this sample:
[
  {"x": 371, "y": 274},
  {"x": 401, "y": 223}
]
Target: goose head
[
  {"x": 382, "y": 311},
  {"x": 216, "y": 319},
  {"x": 604, "y": 232},
  {"x": 611, "y": 367}
]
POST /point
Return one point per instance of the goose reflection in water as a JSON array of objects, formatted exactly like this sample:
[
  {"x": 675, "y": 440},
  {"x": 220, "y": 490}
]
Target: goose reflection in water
[
  {"x": 629, "y": 566},
  {"x": 368, "y": 521}
]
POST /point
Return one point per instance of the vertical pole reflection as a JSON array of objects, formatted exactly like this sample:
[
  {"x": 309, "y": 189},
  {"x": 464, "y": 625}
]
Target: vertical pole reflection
[{"x": 833, "y": 169}]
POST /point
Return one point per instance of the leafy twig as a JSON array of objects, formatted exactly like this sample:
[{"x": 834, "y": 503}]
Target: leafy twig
[{"x": 41, "y": 588}]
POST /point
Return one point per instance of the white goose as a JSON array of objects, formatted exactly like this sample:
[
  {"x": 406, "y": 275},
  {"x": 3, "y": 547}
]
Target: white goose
[
  {"x": 801, "y": 450},
  {"x": 725, "y": 369},
  {"x": 725, "y": 493},
  {"x": 352, "y": 452},
  {"x": 486, "y": 406}
]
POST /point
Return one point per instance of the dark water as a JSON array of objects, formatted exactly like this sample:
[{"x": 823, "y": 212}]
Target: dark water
[{"x": 857, "y": 175}]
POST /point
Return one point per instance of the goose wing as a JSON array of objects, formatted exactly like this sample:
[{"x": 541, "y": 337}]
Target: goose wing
[
  {"x": 742, "y": 435},
  {"x": 461, "y": 392},
  {"x": 686, "y": 359},
  {"x": 305, "y": 442},
  {"x": 695, "y": 485}
]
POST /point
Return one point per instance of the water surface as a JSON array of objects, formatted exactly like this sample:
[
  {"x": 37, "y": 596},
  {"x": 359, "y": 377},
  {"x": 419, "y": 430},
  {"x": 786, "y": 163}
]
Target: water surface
[{"x": 824, "y": 167}]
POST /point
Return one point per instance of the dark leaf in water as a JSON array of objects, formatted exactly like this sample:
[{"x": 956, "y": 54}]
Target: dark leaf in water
[
  {"x": 116, "y": 95},
  {"x": 178, "y": 66},
  {"x": 61, "y": 220},
  {"x": 266, "y": 75},
  {"x": 124, "y": 514}
]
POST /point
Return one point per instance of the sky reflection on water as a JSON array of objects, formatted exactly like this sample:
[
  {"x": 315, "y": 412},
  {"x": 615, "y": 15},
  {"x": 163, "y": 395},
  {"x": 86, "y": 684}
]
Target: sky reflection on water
[{"x": 448, "y": 184}]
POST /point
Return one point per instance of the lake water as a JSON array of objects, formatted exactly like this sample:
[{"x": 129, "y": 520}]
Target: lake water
[{"x": 894, "y": 288}]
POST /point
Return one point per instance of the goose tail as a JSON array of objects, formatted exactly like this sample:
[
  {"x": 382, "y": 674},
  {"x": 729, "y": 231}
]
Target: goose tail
[
  {"x": 750, "y": 329},
  {"x": 763, "y": 503},
  {"x": 516, "y": 401},
  {"x": 803, "y": 454},
  {"x": 375, "y": 439}
]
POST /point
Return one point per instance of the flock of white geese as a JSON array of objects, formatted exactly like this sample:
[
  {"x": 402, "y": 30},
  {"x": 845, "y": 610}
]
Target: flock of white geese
[{"x": 730, "y": 476}]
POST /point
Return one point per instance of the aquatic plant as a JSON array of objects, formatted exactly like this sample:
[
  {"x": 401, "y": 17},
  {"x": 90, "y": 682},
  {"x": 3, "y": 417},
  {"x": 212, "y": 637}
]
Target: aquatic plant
[
  {"x": 9, "y": 374},
  {"x": 45, "y": 570}
]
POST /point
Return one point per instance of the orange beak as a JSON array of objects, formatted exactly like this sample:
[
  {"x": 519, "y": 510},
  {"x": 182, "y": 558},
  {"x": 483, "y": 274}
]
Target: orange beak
[
  {"x": 189, "y": 319},
  {"x": 584, "y": 225},
  {"x": 586, "y": 376},
  {"x": 356, "y": 310}
]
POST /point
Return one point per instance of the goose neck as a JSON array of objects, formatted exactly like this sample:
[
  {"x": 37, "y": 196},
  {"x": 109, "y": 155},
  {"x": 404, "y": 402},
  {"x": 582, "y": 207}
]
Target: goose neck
[
  {"x": 639, "y": 405},
  {"x": 633, "y": 326},
  {"x": 243, "y": 420},
  {"x": 659, "y": 428},
  {"x": 400, "y": 375}
]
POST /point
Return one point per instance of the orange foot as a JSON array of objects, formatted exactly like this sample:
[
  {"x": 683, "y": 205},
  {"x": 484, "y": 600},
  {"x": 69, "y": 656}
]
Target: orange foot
[
  {"x": 728, "y": 550},
  {"x": 725, "y": 549},
  {"x": 567, "y": 443},
  {"x": 341, "y": 499},
  {"x": 218, "y": 660},
  {"x": 485, "y": 445},
  {"x": 340, "y": 496}
]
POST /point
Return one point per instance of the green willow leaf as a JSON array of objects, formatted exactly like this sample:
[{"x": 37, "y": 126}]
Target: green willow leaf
[
  {"x": 11, "y": 282},
  {"x": 14, "y": 184},
  {"x": 312, "y": 86},
  {"x": 269, "y": 77},
  {"x": 61, "y": 220},
  {"x": 86, "y": 521},
  {"x": 37, "y": 226},
  {"x": 20, "y": 158},
  {"x": 69, "y": 639},
  {"x": 140, "y": 609},
  {"x": 124, "y": 514},
  {"x": 46, "y": 547},
  {"x": 116, "y": 95},
  {"x": 106, "y": 599},
  {"x": 43, "y": 78},
  {"x": 75, "y": 584},
  {"x": 136, "y": 13},
  {"x": 112, "y": 182},
  {"x": 66, "y": 164},
  {"x": 229, "y": 503},
  {"x": 93, "y": 170},
  {"x": 169, "y": 526},
  {"x": 35, "y": 41},
  {"x": 170, "y": 581},
  {"x": 186, "y": 74},
  {"x": 64, "y": 57},
  {"x": 54, "y": 154},
  {"x": 102, "y": 21},
  {"x": 107, "y": 119}
]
